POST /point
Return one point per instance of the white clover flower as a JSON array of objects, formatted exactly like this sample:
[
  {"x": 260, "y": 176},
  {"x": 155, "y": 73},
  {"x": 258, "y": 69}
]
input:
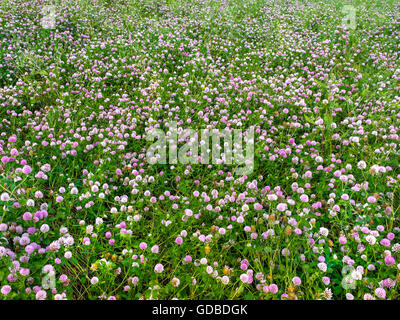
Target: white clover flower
[
  {"x": 89, "y": 229},
  {"x": 244, "y": 277},
  {"x": 361, "y": 165},
  {"x": 327, "y": 294},
  {"x": 225, "y": 280},
  {"x": 44, "y": 228},
  {"x": 370, "y": 239},
  {"x": 5, "y": 196},
  {"x": 99, "y": 221},
  {"x": 322, "y": 266},
  {"x": 319, "y": 159},
  {"x": 356, "y": 275},
  {"x": 324, "y": 231}
]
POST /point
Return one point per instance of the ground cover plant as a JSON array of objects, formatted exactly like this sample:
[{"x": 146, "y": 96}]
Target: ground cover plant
[{"x": 84, "y": 214}]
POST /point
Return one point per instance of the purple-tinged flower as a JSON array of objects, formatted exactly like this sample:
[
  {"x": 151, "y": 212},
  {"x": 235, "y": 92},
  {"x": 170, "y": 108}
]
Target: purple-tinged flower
[
  {"x": 26, "y": 169},
  {"x": 296, "y": 281},
  {"x": 158, "y": 268}
]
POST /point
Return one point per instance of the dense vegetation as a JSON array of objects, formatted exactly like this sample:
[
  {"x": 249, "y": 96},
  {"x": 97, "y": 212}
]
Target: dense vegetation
[{"x": 84, "y": 215}]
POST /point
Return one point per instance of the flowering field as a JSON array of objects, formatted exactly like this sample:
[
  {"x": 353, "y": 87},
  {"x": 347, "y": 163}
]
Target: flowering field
[{"x": 93, "y": 207}]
